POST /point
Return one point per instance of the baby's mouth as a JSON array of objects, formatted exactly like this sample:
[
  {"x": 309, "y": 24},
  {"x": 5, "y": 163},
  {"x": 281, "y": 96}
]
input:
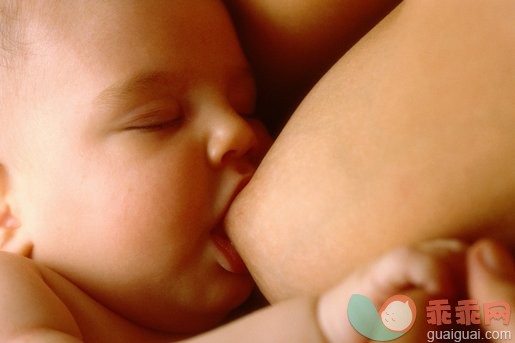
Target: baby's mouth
[{"x": 225, "y": 253}]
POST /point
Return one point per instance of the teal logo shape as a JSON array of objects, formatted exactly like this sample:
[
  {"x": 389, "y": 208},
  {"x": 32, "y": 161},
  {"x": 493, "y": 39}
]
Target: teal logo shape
[{"x": 394, "y": 319}]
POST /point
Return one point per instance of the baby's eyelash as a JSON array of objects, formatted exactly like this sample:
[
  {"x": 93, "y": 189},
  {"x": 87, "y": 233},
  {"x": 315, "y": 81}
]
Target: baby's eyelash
[
  {"x": 157, "y": 124},
  {"x": 156, "y": 120}
]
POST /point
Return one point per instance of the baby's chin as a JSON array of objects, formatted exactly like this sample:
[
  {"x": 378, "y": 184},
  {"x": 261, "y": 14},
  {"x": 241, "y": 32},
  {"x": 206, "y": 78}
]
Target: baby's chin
[
  {"x": 223, "y": 301},
  {"x": 208, "y": 314}
]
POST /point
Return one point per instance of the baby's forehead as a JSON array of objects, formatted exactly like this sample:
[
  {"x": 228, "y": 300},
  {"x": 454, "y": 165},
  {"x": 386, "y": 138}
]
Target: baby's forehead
[
  {"x": 52, "y": 30},
  {"x": 18, "y": 21}
]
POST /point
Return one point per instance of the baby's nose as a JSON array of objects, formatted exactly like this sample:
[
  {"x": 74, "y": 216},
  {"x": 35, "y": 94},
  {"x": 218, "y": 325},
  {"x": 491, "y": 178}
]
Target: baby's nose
[{"x": 233, "y": 138}]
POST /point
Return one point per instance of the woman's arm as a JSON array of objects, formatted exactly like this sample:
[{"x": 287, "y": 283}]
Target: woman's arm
[{"x": 291, "y": 43}]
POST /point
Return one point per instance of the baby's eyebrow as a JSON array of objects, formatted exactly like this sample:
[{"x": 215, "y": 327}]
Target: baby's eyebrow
[
  {"x": 140, "y": 84},
  {"x": 148, "y": 84}
]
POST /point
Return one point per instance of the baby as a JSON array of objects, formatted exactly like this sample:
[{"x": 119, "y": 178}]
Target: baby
[{"x": 124, "y": 139}]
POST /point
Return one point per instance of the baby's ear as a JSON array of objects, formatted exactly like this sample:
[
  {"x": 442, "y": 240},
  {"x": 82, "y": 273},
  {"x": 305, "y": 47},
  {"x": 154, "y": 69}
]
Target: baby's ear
[{"x": 12, "y": 238}]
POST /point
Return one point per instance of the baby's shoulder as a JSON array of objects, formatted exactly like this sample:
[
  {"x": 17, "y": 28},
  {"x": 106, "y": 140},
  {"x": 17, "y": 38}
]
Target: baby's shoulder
[
  {"x": 27, "y": 303},
  {"x": 19, "y": 278},
  {"x": 19, "y": 266}
]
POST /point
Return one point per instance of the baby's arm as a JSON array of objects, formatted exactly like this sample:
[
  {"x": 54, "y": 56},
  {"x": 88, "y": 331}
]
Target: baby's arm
[
  {"x": 430, "y": 267},
  {"x": 29, "y": 310},
  {"x": 290, "y": 321}
]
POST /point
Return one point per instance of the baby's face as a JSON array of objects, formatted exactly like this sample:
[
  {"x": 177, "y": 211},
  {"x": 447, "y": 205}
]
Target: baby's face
[{"x": 132, "y": 142}]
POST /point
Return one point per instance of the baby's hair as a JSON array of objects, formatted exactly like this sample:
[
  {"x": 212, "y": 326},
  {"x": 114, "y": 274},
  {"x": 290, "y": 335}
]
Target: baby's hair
[{"x": 10, "y": 32}]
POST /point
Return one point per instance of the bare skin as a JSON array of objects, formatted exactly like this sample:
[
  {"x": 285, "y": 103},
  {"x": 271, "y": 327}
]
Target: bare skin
[
  {"x": 409, "y": 136},
  {"x": 433, "y": 270},
  {"x": 292, "y": 43},
  {"x": 133, "y": 148},
  {"x": 64, "y": 318}
]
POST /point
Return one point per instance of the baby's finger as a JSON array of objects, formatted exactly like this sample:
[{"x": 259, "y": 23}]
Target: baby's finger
[
  {"x": 435, "y": 266},
  {"x": 427, "y": 268},
  {"x": 492, "y": 282}
]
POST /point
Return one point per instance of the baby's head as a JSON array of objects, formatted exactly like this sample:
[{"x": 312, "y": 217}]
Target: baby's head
[{"x": 122, "y": 145}]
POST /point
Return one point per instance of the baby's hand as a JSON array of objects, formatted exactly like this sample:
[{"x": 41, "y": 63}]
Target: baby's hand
[{"x": 437, "y": 268}]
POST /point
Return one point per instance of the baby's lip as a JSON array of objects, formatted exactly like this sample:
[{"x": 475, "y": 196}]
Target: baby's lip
[{"x": 225, "y": 253}]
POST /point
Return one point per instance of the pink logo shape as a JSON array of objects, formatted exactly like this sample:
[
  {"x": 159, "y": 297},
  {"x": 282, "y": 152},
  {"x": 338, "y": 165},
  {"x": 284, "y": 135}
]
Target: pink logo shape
[{"x": 398, "y": 313}]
